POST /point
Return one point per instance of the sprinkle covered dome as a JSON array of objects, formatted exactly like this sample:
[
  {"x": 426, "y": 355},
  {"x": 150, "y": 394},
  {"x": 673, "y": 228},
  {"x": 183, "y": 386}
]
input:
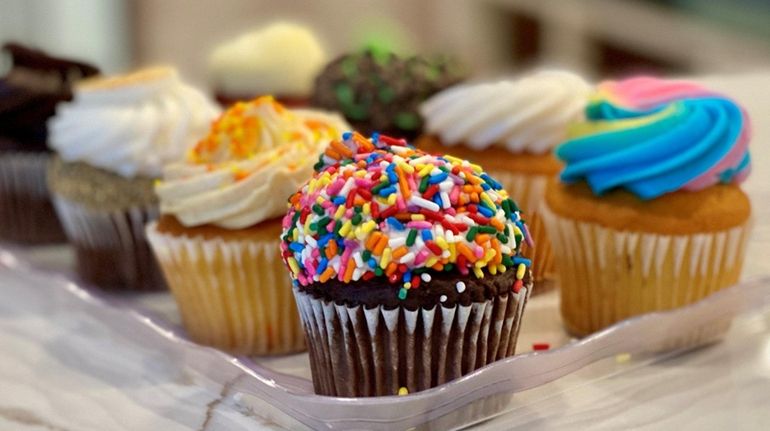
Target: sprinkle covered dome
[{"x": 381, "y": 208}]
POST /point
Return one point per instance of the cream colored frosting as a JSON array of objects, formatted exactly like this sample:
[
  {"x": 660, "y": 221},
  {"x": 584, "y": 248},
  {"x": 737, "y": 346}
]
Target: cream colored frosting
[
  {"x": 527, "y": 115},
  {"x": 256, "y": 155},
  {"x": 131, "y": 124},
  {"x": 281, "y": 59}
]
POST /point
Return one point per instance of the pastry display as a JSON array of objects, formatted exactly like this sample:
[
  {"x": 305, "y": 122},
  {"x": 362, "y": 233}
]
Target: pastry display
[
  {"x": 218, "y": 237},
  {"x": 510, "y": 128},
  {"x": 280, "y": 59},
  {"x": 648, "y": 214},
  {"x": 378, "y": 91},
  {"x": 112, "y": 141},
  {"x": 29, "y": 92},
  {"x": 406, "y": 266}
]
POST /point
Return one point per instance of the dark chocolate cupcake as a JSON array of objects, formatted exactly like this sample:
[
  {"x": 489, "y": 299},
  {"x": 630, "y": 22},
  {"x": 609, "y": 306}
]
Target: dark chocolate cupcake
[
  {"x": 379, "y": 91},
  {"x": 406, "y": 266},
  {"x": 29, "y": 93}
]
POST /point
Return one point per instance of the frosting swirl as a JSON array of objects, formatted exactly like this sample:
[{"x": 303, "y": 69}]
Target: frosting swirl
[
  {"x": 255, "y": 156},
  {"x": 380, "y": 208},
  {"x": 131, "y": 124},
  {"x": 528, "y": 115},
  {"x": 653, "y": 136},
  {"x": 282, "y": 59}
]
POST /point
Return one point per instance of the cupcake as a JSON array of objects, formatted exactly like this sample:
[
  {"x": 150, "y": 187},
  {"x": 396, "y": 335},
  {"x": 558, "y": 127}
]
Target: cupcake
[
  {"x": 648, "y": 214},
  {"x": 29, "y": 93},
  {"x": 510, "y": 128},
  {"x": 379, "y": 91},
  {"x": 111, "y": 143},
  {"x": 218, "y": 236},
  {"x": 406, "y": 266},
  {"x": 281, "y": 59}
]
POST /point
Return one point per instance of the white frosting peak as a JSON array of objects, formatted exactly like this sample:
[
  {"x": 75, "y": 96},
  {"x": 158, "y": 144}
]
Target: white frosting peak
[
  {"x": 281, "y": 59},
  {"x": 527, "y": 115},
  {"x": 131, "y": 124}
]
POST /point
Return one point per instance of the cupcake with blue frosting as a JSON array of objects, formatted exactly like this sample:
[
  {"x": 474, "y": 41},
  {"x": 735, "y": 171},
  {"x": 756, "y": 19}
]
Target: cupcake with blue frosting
[{"x": 648, "y": 214}]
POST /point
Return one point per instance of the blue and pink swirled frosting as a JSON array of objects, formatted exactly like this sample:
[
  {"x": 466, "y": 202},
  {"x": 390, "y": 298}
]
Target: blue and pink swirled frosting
[{"x": 652, "y": 136}]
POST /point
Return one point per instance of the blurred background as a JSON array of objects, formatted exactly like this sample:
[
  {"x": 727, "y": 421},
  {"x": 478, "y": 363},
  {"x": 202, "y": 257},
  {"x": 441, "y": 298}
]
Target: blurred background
[{"x": 595, "y": 37}]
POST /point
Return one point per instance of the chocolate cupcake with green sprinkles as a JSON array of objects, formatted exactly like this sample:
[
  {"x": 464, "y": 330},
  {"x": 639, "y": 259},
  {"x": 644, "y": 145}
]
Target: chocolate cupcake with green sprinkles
[
  {"x": 377, "y": 90},
  {"x": 407, "y": 268}
]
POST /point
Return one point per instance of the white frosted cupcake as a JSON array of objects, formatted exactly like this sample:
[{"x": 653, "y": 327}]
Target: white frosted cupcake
[
  {"x": 111, "y": 142},
  {"x": 218, "y": 236},
  {"x": 281, "y": 59},
  {"x": 510, "y": 128}
]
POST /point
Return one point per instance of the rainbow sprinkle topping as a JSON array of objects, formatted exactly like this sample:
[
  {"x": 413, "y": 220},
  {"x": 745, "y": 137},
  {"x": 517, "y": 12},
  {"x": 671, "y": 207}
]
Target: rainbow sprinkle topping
[{"x": 381, "y": 208}]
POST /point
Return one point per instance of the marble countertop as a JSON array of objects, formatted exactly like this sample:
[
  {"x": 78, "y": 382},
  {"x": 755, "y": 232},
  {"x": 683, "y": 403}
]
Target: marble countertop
[{"x": 62, "y": 370}]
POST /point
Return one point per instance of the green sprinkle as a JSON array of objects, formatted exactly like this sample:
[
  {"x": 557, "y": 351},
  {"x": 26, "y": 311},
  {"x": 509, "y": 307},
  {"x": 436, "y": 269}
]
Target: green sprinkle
[
  {"x": 507, "y": 261},
  {"x": 424, "y": 184},
  {"x": 472, "y": 233},
  {"x": 448, "y": 267},
  {"x": 507, "y": 209},
  {"x": 507, "y": 231},
  {"x": 411, "y": 237},
  {"x": 378, "y": 271},
  {"x": 402, "y": 293},
  {"x": 344, "y": 93},
  {"x": 313, "y": 226},
  {"x": 322, "y": 222},
  {"x": 318, "y": 210},
  {"x": 487, "y": 229},
  {"x": 366, "y": 255},
  {"x": 376, "y": 189},
  {"x": 356, "y": 112},
  {"x": 337, "y": 227},
  {"x": 386, "y": 95},
  {"x": 502, "y": 238},
  {"x": 512, "y": 205},
  {"x": 407, "y": 120},
  {"x": 356, "y": 219}
]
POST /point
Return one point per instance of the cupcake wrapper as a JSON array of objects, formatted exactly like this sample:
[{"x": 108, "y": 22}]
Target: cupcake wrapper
[
  {"x": 609, "y": 275},
  {"x": 355, "y": 351},
  {"x": 26, "y": 212},
  {"x": 112, "y": 251},
  {"x": 528, "y": 191},
  {"x": 234, "y": 295}
]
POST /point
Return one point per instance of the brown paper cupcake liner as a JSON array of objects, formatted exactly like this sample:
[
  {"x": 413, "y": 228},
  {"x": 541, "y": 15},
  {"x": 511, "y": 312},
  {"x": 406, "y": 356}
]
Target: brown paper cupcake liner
[
  {"x": 608, "y": 275},
  {"x": 26, "y": 213},
  {"x": 529, "y": 191},
  {"x": 232, "y": 294},
  {"x": 111, "y": 248},
  {"x": 355, "y": 351}
]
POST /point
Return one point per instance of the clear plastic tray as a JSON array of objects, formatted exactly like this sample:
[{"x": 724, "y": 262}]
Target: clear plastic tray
[{"x": 280, "y": 388}]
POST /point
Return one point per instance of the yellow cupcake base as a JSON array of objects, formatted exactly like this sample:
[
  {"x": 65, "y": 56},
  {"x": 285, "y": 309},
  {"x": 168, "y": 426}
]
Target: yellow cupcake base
[
  {"x": 232, "y": 294},
  {"x": 607, "y": 275}
]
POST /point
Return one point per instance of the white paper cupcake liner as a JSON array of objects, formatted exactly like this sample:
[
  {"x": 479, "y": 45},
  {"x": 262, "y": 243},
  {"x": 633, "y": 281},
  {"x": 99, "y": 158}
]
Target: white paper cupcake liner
[
  {"x": 111, "y": 246},
  {"x": 26, "y": 213},
  {"x": 355, "y": 351},
  {"x": 233, "y": 294},
  {"x": 608, "y": 275}
]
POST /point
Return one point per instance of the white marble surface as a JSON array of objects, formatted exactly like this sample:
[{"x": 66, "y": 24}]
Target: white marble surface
[{"x": 63, "y": 370}]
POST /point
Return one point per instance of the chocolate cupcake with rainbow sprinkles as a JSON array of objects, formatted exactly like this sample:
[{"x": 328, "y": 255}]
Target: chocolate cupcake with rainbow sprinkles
[
  {"x": 406, "y": 266},
  {"x": 648, "y": 214}
]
